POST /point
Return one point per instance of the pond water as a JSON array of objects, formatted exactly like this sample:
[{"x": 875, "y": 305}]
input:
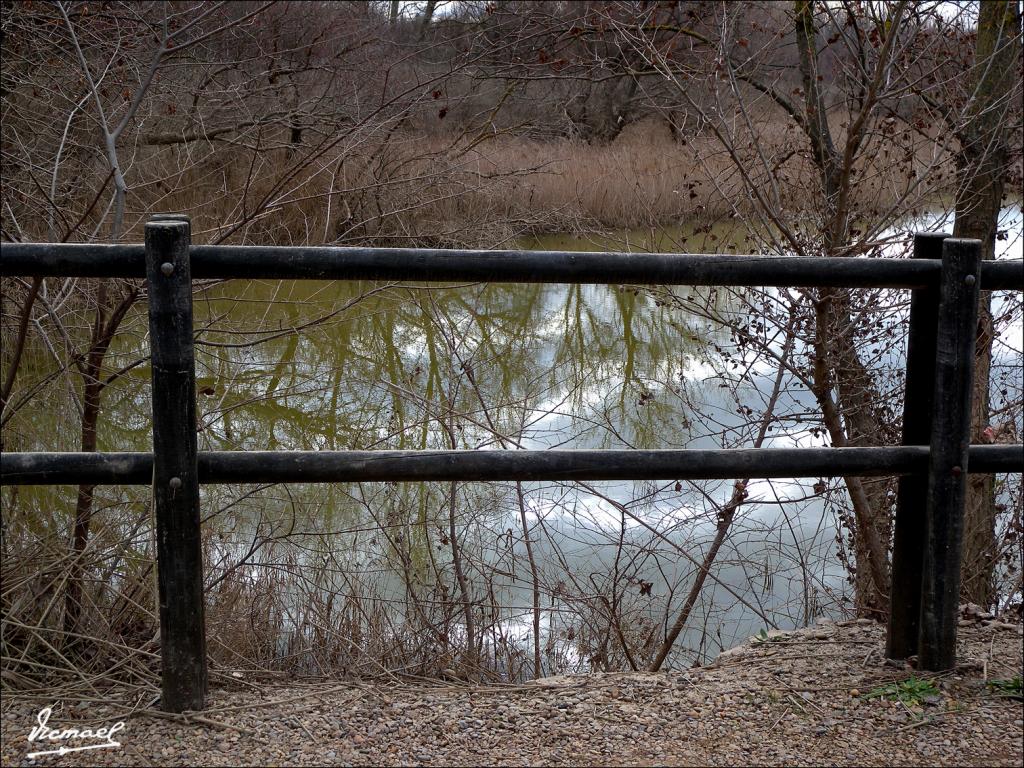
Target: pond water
[{"x": 330, "y": 366}]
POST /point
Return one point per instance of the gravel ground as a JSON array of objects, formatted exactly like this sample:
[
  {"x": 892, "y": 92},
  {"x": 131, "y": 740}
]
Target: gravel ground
[{"x": 795, "y": 699}]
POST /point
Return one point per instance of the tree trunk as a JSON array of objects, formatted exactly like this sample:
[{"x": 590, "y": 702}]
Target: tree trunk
[
  {"x": 982, "y": 165},
  {"x": 428, "y": 16},
  {"x": 93, "y": 385},
  {"x": 534, "y": 582},
  {"x": 851, "y": 420},
  {"x": 851, "y": 416},
  {"x": 470, "y": 661},
  {"x": 83, "y": 507}
]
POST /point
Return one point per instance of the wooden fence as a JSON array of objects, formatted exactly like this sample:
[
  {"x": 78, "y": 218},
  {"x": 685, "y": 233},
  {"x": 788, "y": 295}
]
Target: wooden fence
[{"x": 945, "y": 277}]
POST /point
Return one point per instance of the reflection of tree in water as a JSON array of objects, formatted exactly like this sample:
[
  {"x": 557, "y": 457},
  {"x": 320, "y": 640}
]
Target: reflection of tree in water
[
  {"x": 501, "y": 366},
  {"x": 504, "y": 360},
  {"x": 315, "y": 366}
]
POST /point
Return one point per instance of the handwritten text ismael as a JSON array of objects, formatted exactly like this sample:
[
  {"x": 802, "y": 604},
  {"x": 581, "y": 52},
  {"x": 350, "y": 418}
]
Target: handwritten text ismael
[{"x": 102, "y": 738}]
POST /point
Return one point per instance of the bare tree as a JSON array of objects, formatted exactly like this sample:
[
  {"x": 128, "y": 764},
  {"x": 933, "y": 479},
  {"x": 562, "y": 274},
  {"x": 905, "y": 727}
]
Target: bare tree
[
  {"x": 991, "y": 117},
  {"x": 840, "y": 97}
]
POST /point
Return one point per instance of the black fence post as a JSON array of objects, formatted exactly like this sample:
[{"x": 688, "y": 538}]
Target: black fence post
[
  {"x": 947, "y": 466},
  {"x": 175, "y": 467},
  {"x": 909, "y": 528},
  {"x": 173, "y": 217}
]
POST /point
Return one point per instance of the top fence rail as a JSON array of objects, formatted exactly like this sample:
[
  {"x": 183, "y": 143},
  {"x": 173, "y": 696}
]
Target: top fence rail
[{"x": 511, "y": 266}]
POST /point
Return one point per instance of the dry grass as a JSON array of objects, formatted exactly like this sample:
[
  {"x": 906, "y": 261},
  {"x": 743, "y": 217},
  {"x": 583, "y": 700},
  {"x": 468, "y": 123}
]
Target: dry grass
[
  {"x": 282, "y": 612},
  {"x": 647, "y": 178},
  {"x": 394, "y": 189}
]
